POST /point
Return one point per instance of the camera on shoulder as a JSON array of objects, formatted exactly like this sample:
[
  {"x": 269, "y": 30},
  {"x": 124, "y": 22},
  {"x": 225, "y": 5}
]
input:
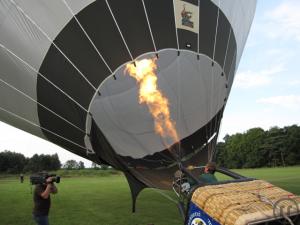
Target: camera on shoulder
[{"x": 41, "y": 178}]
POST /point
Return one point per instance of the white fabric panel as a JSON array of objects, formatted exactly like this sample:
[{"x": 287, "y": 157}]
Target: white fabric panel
[
  {"x": 24, "y": 39},
  {"x": 17, "y": 74},
  {"x": 16, "y": 103},
  {"x": 240, "y": 14},
  {"x": 52, "y": 15},
  {"x": 195, "y": 91},
  {"x": 21, "y": 37}
]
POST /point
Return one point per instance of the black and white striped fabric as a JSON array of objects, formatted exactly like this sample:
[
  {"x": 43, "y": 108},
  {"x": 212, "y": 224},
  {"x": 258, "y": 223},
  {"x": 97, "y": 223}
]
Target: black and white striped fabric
[{"x": 62, "y": 75}]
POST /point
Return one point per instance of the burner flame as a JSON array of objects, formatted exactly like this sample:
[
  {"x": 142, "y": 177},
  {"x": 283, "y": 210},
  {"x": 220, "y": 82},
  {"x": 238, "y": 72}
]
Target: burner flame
[{"x": 144, "y": 73}]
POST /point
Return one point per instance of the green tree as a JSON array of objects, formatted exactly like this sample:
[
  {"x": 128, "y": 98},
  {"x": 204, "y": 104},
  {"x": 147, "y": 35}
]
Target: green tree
[
  {"x": 81, "y": 165},
  {"x": 43, "y": 162},
  {"x": 71, "y": 164},
  {"x": 12, "y": 162},
  {"x": 259, "y": 148}
]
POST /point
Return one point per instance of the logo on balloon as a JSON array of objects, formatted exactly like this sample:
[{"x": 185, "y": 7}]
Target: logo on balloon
[
  {"x": 186, "y": 18},
  {"x": 198, "y": 221}
]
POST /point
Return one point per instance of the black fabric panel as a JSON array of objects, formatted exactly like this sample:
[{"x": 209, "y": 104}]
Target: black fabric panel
[
  {"x": 99, "y": 24},
  {"x": 63, "y": 106},
  {"x": 194, "y": 2},
  {"x": 208, "y": 22},
  {"x": 77, "y": 47},
  {"x": 132, "y": 21},
  {"x": 136, "y": 186},
  {"x": 162, "y": 22},
  {"x": 55, "y": 100},
  {"x": 61, "y": 127},
  {"x": 222, "y": 38},
  {"x": 231, "y": 55},
  {"x": 67, "y": 145},
  {"x": 186, "y": 38},
  {"x": 58, "y": 70}
]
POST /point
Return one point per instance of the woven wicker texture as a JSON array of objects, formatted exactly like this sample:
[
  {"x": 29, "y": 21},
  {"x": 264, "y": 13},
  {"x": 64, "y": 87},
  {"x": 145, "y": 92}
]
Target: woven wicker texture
[{"x": 239, "y": 203}]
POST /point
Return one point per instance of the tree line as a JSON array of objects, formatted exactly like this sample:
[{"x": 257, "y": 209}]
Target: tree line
[
  {"x": 252, "y": 149},
  {"x": 12, "y": 162},
  {"x": 259, "y": 148}
]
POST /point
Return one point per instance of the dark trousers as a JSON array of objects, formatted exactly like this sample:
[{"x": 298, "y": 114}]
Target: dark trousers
[{"x": 41, "y": 220}]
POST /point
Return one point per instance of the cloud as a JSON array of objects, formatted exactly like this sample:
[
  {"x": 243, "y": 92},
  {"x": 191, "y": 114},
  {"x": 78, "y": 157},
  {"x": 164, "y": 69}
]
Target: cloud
[
  {"x": 241, "y": 122},
  {"x": 294, "y": 83},
  {"x": 251, "y": 79},
  {"x": 286, "y": 101},
  {"x": 284, "y": 20}
]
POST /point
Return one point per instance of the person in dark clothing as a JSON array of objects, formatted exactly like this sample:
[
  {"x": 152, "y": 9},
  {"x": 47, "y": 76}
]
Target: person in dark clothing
[
  {"x": 42, "y": 201},
  {"x": 21, "y": 178},
  {"x": 208, "y": 176}
]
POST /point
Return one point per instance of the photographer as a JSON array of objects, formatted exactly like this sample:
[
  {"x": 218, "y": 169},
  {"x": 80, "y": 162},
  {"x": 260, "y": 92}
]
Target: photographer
[{"x": 42, "y": 200}]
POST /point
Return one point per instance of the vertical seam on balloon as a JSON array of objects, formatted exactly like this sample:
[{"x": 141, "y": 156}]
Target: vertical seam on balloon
[
  {"x": 216, "y": 136},
  {"x": 154, "y": 45},
  {"x": 116, "y": 23},
  {"x": 38, "y": 73},
  {"x": 224, "y": 63},
  {"x": 220, "y": 116},
  {"x": 212, "y": 71},
  {"x": 218, "y": 98},
  {"x": 234, "y": 56},
  {"x": 42, "y": 128},
  {"x": 216, "y": 31},
  {"x": 47, "y": 36},
  {"x": 87, "y": 36},
  {"x": 175, "y": 25},
  {"x": 27, "y": 96},
  {"x": 219, "y": 122}
]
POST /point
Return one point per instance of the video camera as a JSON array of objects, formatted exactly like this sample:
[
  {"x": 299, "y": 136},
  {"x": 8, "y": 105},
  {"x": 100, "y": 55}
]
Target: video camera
[{"x": 41, "y": 178}]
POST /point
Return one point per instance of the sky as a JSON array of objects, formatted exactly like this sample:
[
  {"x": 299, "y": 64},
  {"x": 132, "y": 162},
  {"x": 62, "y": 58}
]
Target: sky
[{"x": 265, "y": 92}]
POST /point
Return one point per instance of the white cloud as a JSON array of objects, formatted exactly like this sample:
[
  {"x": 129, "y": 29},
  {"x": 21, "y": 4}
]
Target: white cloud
[
  {"x": 286, "y": 101},
  {"x": 294, "y": 83},
  {"x": 284, "y": 20},
  {"x": 249, "y": 79},
  {"x": 242, "y": 121}
]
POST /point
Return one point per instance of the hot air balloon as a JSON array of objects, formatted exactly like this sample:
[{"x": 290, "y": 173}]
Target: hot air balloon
[{"x": 63, "y": 77}]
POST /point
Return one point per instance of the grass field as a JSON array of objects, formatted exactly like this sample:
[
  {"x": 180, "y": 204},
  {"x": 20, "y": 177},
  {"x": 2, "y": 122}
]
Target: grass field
[{"x": 106, "y": 200}]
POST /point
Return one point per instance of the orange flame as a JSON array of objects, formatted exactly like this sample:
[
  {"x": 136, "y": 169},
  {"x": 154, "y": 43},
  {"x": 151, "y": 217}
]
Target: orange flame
[{"x": 144, "y": 73}]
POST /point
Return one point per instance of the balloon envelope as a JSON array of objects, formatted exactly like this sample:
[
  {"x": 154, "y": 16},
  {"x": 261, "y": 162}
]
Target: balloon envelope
[{"x": 62, "y": 76}]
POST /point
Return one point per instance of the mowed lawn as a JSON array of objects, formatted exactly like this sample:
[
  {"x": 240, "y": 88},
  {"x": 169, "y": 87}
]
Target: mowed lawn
[{"x": 107, "y": 200}]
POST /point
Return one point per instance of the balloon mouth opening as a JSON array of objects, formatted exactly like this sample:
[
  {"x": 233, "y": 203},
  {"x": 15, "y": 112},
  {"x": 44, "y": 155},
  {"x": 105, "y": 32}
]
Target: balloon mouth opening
[{"x": 125, "y": 118}]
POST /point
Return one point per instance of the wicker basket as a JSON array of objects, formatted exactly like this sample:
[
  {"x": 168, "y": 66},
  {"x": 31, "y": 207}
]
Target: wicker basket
[{"x": 241, "y": 203}]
